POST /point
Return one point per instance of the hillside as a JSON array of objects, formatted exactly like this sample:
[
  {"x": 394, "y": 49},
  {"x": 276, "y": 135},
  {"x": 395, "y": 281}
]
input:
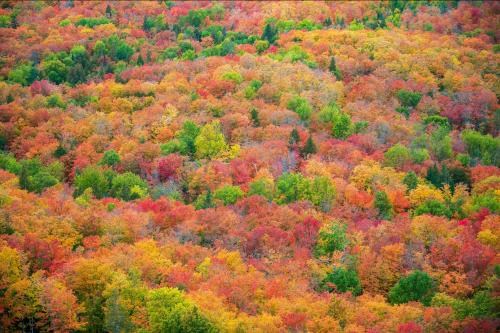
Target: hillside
[{"x": 249, "y": 166}]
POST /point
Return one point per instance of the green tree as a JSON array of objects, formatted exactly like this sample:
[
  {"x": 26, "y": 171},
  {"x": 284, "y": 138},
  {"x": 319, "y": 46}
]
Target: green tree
[
  {"x": 110, "y": 158},
  {"x": 210, "y": 142},
  {"x": 55, "y": 70},
  {"x": 94, "y": 178},
  {"x": 343, "y": 280},
  {"x": 397, "y": 156},
  {"x": 433, "y": 207},
  {"x": 408, "y": 98},
  {"x": 309, "y": 148},
  {"x": 342, "y": 126},
  {"x": 300, "y": 106},
  {"x": 440, "y": 144},
  {"x": 169, "y": 312},
  {"x": 417, "y": 286},
  {"x": 483, "y": 149},
  {"x": 383, "y": 206},
  {"x": 23, "y": 74},
  {"x": 411, "y": 181},
  {"x": 109, "y": 13},
  {"x": 333, "y": 69},
  {"x": 331, "y": 238},
  {"x": 288, "y": 187},
  {"x": 254, "y": 114},
  {"x": 263, "y": 187},
  {"x": 204, "y": 200},
  {"x": 294, "y": 137},
  {"x": 228, "y": 194},
  {"x": 187, "y": 136},
  {"x": 128, "y": 186},
  {"x": 321, "y": 192},
  {"x": 41, "y": 180},
  {"x": 270, "y": 33}
]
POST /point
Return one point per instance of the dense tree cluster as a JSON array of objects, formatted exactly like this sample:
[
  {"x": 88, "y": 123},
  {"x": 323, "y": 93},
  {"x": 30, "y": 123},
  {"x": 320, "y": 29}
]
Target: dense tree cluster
[{"x": 249, "y": 166}]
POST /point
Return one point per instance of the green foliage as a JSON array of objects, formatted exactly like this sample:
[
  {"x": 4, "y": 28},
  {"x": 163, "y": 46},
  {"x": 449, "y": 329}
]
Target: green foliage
[
  {"x": 309, "y": 148},
  {"x": 440, "y": 144},
  {"x": 92, "y": 22},
  {"x": 204, "y": 200},
  {"x": 263, "y": 187},
  {"x": 329, "y": 113},
  {"x": 254, "y": 115},
  {"x": 169, "y": 312},
  {"x": 234, "y": 76},
  {"x": 55, "y": 70},
  {"x": 383, "y": 205},
  {"x": 419, "y": 155},
  {"x": 300, "y": 106},
  {"x": 417, "y": 286},
  {"x": 186, "y": 138},
  {"x": 355, "y": 25},
  {"x": 23, "y": 74},
  {"x": 411, "y": 181},
  {"x": 343, "y": 280},
  {"x": 437, "y": 120},
  {"x": 228, "y": 194},
  {"x": 321, "y": 192},
  {"x": 482, "y": 305},
  {"x": 110, "y": 158},
  {"x": 128, "y": 186},
  {"x": 210, "y": 142},
  {"x": 270, "y": 33},
  {"x": 9, "y": 163},
  {"x": 294, "y": 137},
  {"x": 331, "y": 238},
  {"x": 483, "y": 149},
  {"x": 41, "y": 180},
  {"x": 55, "y": 101},
  {"x": 404, "y": 110},
  {"x": 94, "y": 178},
  {"x": 251, "y": 89},
  {"x": 5, "y": 21},
  {"x": 342, "y": 126},
  {"x": 486, "y": 200},
  {"x": 334, "y": 69},
  {"x": 289, "y": 186},
  {"x": 261, "y": 46},
  {"x": 408, "y": 98},
  {"x": 397, "y": 156},
  {"x": 434, "y": 207}
]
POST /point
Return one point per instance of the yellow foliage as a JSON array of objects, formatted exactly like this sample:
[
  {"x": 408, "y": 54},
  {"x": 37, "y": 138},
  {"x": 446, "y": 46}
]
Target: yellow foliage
[{"x": 424, "y": 193}]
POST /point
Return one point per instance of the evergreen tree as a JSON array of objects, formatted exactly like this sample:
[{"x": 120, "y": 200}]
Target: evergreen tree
[
  {"x": 270, "y": 33},
  {"x": 309, "y": 148},
  {"x": 294, "y": 137},
  {"x": 140, "y": 61},
  {"x": 383, "y": 205},
  {"x": 334, "y": 70},
  {"x": 109, "y": 13},
  {"x": 410, "y": 181},
  {"x": 417, "y": 286},
  {"x": 255, "y": 117}
]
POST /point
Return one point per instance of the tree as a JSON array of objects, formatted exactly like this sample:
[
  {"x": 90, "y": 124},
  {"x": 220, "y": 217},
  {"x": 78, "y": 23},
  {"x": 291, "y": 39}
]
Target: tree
[
  {"x": 309, "y": 148},
  {"x": 410, "y": 180},
  {"x": 254, "y": 114},
  {"x": 109, "y": 13},
  {"x": 128, "y": 186},
  {"x": 342, "y": 126},
  {"x": 94, "y": 178},
  {"x": 408, "y": 98},
  {"x": 23, "y": 74},
  {"x": 482, "y": 148},
  {"x": 333, "y": 69},
  {"x": 263, "y": 187},
  {"x": 417, "y": 286},
  {"x": 397, "y": 156},
  {"x": 210, "y": 143},
  {"x": 110, "y": 158},
  {"x": 228, "y": 194},
  {"x": 331, "y": 238},
  {"x": 289, "y": 187},
  {"x": 294, "y": 137},
  {"x": 187, "y": 137},
  {"x": 383, "y": 206},
  {"x": 55, "y": 70},
  {"x": 321, "y": 192},
  {"x": 270, "y": 33},
  {"x": 300, "y": 106},
  {"x": 343, "y": 280},
  {"x": 169, "y": 312}
]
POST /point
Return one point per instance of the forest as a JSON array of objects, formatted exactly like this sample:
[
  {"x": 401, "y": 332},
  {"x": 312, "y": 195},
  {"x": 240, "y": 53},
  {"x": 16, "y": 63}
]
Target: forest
[{"x": 240, "y": 166}]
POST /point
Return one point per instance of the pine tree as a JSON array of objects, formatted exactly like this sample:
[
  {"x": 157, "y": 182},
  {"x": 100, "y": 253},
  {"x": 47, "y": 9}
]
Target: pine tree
[
  {"x": 109, "y": 13},
  {"x": 294, "y": 137},
  {"x": 270, "y": 33},
  {"x": 309, "y": 148},
  {"x": 24, "y": 178},
  {"x": 410, "y": 181},
  {"x": 383, "y": 205},
  {"x": 334, "y": 70},
  {"x": 140, "y": 61},
  {"x": 255, "y": 117}
]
